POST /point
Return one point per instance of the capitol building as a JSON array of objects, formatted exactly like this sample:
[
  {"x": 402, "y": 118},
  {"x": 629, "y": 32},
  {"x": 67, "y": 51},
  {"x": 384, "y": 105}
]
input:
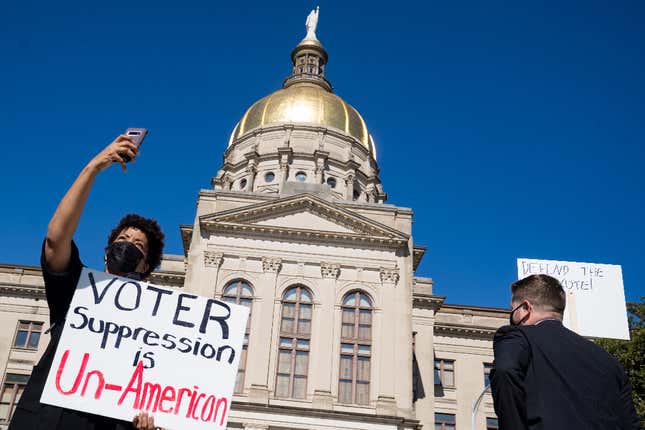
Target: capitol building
[{"x": 296, "y": 226}]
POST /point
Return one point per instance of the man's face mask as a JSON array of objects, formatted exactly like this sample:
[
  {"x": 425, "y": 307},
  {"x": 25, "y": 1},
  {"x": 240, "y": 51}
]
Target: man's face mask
[
  {"x": 510, "y": 317},
  {"x": 123, "y": 258}
]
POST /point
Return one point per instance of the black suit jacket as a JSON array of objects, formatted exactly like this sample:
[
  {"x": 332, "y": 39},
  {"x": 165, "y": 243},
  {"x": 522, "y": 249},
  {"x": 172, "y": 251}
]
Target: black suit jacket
[{"x": 546, "y": 377}]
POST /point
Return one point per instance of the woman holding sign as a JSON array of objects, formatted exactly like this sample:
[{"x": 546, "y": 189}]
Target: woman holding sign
[{"x": 134, "y": 249}]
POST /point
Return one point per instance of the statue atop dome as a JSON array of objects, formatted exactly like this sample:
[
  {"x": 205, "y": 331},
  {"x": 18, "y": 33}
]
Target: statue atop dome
[{"x": 312, "y": 23}]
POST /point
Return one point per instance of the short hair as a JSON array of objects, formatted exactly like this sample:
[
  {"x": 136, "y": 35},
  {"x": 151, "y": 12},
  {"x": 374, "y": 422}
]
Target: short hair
[
  {"x": 543, "y": 291},
  {"x": 153, "y": 233}
]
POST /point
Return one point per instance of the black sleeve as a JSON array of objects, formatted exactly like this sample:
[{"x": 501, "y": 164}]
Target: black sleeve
[
  {"x": 60, "y": 286},
  {"x": 512, "y": 357},
  {"x": 625, "y": 410}
]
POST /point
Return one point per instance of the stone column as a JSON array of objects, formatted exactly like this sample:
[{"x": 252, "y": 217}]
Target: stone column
[
  {"x": 321, "y": 139},
  {"x": 258, "y": 367},
  {"x": 386, "y": 400},
  {"x": 371, "y": 190},
  {"x": 285, "y": 157},
  {"x": 350, "y": 177},
  {"x": 213, "y": 260},
  {"x": 349, "y": 186},
  {"x": 227, "y": 182},
  {"x": 323, "y": 361},
  {"x": 321, "y": 161},
  {"x": 251, "y": 168},
  {"x": 424, "y": 309}
]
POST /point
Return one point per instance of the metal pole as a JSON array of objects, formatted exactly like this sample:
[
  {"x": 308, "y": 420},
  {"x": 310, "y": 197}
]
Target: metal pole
[{"x": 476, "y": 404}]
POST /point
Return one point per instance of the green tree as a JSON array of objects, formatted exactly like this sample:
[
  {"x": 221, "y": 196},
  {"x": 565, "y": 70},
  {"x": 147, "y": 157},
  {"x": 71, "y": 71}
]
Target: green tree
[{"x": 631, "y": 353}]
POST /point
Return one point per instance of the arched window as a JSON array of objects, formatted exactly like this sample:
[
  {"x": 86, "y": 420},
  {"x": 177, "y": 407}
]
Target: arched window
[
  {"x": 355, "y": 349},
  {"x": 295, "y": 339},
  {"x": 241, "y": 293}
]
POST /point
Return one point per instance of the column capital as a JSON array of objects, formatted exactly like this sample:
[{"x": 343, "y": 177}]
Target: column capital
[
  {"x": 272, "y": 265},
  {"x": 213, "y": 259},
  {"x": 329, "y": 270},
  {"x": 389, "y": 276}
]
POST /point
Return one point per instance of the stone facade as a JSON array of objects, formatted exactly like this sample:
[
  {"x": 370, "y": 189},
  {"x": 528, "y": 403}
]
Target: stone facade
[{"x": 419, "y": 321}]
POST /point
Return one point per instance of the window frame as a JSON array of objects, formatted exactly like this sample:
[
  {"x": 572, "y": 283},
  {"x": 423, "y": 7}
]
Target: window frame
[
  {"x": 356, "y": 341},
  {"x": 493, "y": 426},
  {"x": 442, "y": 372},
  {"x": 445, "y": 425},
  {"x": 295, "y": 337},
  {"x": 30, "y": 332},
  {"x": 238, "y": 297},
  {"x": 14, "y": 386},
  {"x": 487, "y": 368}
]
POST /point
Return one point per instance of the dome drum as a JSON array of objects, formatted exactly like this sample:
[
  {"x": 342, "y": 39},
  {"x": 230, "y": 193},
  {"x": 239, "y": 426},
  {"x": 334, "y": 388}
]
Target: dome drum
[
  {"x": 268, "y": 138},
  {"x": 263, "y": 152}
]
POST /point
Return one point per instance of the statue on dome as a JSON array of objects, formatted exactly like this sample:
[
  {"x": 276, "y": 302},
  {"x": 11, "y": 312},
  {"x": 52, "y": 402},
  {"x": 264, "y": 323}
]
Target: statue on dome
[{"x": 312, "y": 23}]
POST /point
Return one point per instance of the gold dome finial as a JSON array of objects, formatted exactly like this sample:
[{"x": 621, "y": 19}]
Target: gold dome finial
[{"x": 309, "y": 57}]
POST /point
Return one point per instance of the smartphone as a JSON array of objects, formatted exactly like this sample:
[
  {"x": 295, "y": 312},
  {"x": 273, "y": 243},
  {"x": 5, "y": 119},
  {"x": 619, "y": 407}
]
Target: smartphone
[{"x": 137, "y": 135}]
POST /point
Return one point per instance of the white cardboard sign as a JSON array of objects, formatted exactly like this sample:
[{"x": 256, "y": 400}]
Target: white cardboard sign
[
  {"x": 595, "y": 295},
  {"x": 128, "y": 346}
]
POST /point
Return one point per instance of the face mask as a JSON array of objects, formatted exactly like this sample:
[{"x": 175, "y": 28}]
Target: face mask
[
  {"x": 510, "y": 317},
  {"x": 122, "y": 257}
]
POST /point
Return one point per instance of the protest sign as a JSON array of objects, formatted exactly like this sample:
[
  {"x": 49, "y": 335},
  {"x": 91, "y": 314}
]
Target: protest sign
[
  {"x": 595, "y": 295},
  {"x": 128, "y": 346}
]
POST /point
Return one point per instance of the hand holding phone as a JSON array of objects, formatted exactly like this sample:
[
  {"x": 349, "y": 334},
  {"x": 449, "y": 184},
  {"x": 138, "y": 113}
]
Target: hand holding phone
[{"x": 137, "y": 135}]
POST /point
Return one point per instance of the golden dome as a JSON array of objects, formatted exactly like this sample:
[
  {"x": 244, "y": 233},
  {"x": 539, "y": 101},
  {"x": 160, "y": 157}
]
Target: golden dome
[{"x": 305, "y": 103}]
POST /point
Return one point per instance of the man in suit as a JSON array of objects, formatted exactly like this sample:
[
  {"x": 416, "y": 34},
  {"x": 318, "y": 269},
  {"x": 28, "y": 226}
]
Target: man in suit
[{"x": 546, "y": 377}]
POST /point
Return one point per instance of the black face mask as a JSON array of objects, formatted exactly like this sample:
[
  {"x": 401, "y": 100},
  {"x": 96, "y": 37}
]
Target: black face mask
[
  {"x": 122, "y": 258},
  {"x": 510, "y": 317}
]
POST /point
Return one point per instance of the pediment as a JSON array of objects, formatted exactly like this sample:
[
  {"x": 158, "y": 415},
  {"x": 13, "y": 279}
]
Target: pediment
[
  {"x": 305, "y": 220},
  {"x": 303, "y": 216}
]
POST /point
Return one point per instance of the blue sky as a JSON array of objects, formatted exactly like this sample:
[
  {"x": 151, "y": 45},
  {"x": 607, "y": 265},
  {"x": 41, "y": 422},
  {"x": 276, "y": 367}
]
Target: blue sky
[{"x": 513, "y": 129}]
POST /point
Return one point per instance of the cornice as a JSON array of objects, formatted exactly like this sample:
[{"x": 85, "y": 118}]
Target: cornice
[
  {"x": 400, "y": 422},
  {"x": 186, "y": 231},
  {"x": 349, "y": 205},
  {"x": 171, "y": 279},
  {"x": 451, "y": 329},
  {"x": 417, "y": 254},
  {"x": 302, "y": 235},
  {"x": 427, "y": 301},
  {"x": 23, "y": 291},
  {"x": 475, "y": 310}
]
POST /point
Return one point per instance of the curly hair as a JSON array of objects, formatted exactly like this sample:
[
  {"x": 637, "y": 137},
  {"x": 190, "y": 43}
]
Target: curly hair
[{"x": 153, "y": 233}]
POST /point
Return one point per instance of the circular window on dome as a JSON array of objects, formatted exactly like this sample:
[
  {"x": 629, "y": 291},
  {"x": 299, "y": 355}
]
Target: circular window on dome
[
  {"x": 331, "y": 182},
  {"x": 269, "y": 177},
  {"x": 301, "y": 176},
  {"x": 242, "y": 184}
]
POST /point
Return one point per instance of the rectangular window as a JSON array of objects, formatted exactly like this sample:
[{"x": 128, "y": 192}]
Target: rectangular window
[
  {"x": 487, "y": 369},
  {"x": 444, "y": 421},
  {"x": 492, "y": 424},
  {"x": 14, "y": 385},
  {"x": 293, "y": 364},
  {"x": 444, "y": 373},
  {"x": 28, "y": 334}
]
